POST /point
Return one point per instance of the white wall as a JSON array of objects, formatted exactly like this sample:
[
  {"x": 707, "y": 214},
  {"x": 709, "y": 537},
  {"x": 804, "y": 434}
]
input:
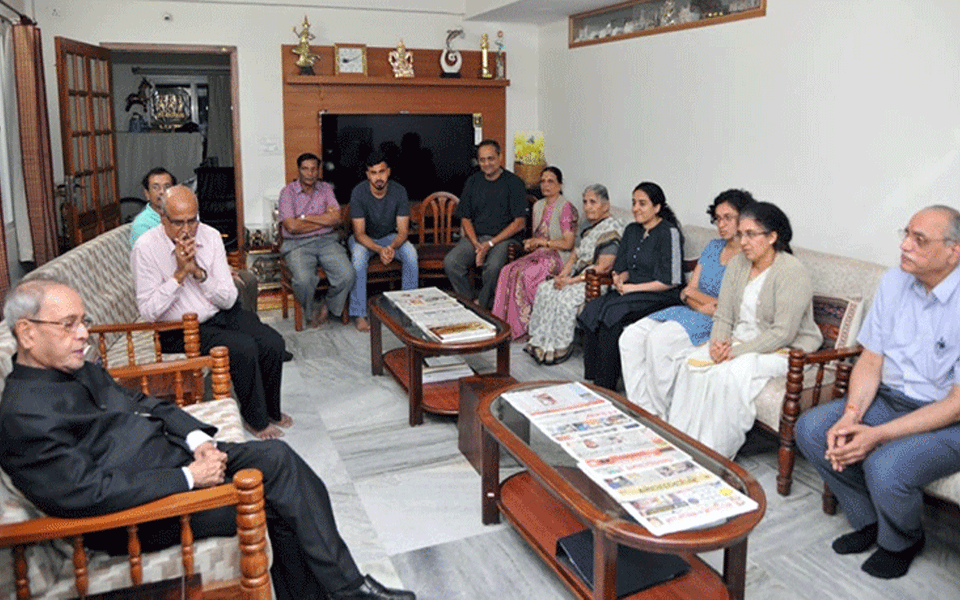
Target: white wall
[
  {"x": 258, "y": 31},
  {"x": 845, "y": 114}
]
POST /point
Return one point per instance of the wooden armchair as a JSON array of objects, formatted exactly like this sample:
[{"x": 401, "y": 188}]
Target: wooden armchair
[
  {"x": 142, "y": 342},
  {"x": 435, "y": 228},
  {"x": 245, "y": 492}
]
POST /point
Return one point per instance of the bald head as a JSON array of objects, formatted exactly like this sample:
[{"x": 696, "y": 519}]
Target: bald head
[
  {"x": 931, "y": 245},
  {"x": 179, "y": 197},
  {"x": 179, "y": 216}
]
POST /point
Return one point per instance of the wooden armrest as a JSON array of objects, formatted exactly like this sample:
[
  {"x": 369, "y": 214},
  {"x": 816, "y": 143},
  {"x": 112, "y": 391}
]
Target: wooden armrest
[
  {"x": 823, "y": 356},
  {"x": 180, "y": 371},
  {"x": 189, "y": 324},
  {"x": 245, "y": 491},
  {"x": 595, "y": 282}
]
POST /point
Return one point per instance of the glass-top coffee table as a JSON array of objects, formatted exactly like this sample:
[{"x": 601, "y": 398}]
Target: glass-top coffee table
[
  {"x": 406, "y": 364},
  {"x": 553, "y": 498}
]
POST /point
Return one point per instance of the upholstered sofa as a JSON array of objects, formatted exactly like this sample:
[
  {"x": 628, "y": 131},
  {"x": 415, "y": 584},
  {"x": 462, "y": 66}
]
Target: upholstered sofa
[
  {"x": 843, "y": 291},
  {"x": 100, "y": 270}
]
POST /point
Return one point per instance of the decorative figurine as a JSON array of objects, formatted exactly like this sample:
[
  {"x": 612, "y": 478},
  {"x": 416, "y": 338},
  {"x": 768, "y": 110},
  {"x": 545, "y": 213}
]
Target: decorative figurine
[
  {"x": 401, "y": 60},
  {"x": 306, "y": 60},
  {"x": 450, "y": 59},
  {"x": 501, "y": 67},
  {"x": 484, "y": 57}
]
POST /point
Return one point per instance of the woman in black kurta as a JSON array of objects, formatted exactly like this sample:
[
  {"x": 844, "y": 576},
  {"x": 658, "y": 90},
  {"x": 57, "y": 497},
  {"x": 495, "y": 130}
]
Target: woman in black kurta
[{"x": 647, "y": 276}]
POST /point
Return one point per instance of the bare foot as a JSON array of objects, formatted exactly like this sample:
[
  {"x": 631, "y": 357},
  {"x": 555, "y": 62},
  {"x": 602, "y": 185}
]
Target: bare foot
[
  {"x": 270, "y": 432},
  {"x": 285, "y": 420},
  {"x": 363, "y": 324},
  {"x": 320, "y": 316}
]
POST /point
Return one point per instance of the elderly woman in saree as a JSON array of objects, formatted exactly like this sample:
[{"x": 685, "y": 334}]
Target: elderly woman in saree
[
  {"x": 554, "y": 316},
  {"x": 555, "y": 223}
]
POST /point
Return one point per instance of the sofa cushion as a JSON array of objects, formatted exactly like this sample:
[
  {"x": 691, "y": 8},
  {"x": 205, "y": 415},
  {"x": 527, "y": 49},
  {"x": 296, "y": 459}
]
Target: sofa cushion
[{"x": 839, "y": 320}]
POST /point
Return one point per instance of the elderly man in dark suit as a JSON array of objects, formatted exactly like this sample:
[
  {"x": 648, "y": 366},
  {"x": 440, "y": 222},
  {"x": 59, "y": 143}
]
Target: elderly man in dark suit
[{"x": 77, "y": 444}]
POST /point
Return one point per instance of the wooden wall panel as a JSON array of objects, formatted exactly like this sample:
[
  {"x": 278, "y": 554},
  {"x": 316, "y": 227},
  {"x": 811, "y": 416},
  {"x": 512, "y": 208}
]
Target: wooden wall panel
[{"x": 304, "y": 97}]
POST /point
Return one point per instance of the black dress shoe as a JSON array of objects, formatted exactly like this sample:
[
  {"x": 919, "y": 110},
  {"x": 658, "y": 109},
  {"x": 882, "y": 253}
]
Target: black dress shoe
[
  {"x": 371, "y": 589},
  {"x": 287, "y": 356}
]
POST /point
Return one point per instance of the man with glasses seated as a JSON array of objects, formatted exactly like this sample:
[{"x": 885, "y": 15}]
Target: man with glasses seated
[
  {"x": 898, "y": 429},
  {"x": 155, "y": 184},
  {"x": 181, "y": 267}
]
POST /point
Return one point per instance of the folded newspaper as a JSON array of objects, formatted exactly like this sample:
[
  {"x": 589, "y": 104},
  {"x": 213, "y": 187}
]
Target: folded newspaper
[
  {"x": 441, "y": 316},
  {"x": 658, "y": 484}
]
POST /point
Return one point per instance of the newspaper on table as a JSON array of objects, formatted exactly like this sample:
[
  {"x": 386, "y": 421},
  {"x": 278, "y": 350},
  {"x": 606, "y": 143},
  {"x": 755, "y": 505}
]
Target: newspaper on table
[
  {"x": 440, "y": 316},
  {"x": 444, "y": 368},
  {"x": 656, "y": 483}
]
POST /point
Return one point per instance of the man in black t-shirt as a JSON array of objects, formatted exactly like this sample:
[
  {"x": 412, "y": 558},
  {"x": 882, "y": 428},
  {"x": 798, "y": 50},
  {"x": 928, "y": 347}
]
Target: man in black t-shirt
[
  {"x": 492, "y": 211},
  {"x": 380, "y": 211}
]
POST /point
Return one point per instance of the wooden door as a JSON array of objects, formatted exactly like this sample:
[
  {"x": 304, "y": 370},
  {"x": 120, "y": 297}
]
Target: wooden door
[{"x": 85, "y": 84}]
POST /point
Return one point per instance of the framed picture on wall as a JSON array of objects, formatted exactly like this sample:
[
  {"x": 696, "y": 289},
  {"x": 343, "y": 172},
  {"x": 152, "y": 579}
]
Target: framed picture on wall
[{"x": 350, "y": 59}]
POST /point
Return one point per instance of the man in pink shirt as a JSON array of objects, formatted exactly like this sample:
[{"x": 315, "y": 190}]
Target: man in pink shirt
[
  {"x": 308, "y": 213},
  {"x": 182, "y": 267}
]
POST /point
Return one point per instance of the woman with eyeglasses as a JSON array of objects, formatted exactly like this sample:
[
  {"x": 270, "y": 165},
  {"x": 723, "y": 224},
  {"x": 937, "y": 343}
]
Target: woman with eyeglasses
[
  {"x": 647, "y": 275},
  {"x": 653, "y": 348},
  {"x": 765, "y": 308}
]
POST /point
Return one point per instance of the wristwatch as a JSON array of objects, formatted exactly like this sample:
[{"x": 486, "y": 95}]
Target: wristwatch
[{"x": 491, "y": 243}]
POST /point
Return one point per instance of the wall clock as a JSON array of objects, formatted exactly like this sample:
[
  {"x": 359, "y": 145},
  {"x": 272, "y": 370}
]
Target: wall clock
[{"x": 350, "y": 59}]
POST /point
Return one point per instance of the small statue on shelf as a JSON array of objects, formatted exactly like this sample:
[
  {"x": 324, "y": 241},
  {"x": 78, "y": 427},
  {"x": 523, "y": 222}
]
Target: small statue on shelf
[
  {"x": 306, "y": 60},
  {"x": 501, "y": 66},
  {"x": 401, "y": 60},
  {"x": 451, "y": 60},
  {"x": 485, "y": 57}
]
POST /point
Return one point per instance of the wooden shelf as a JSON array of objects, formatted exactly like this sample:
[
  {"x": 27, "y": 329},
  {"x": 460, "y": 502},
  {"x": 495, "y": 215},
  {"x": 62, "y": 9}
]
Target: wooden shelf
[{"x": 399, "y": 81}]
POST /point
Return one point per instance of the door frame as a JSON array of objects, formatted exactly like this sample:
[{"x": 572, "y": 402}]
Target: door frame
[{"x": 231, "y": 51}]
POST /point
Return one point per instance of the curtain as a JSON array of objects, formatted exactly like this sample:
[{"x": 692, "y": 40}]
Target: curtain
[
  {"x": 220, "y": 120},
  {"x": 11, "y": 164},
  {"x": 35, "y": 141}
]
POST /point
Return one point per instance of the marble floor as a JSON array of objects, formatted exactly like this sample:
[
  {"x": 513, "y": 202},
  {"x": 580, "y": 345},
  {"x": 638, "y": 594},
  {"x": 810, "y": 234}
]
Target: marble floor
[{"x": 408, "y": 503}]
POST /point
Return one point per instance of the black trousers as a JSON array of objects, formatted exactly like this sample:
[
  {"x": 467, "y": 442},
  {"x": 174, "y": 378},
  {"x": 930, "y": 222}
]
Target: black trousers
[
  {"x": 256, "y": 360},
  {"x": 310, "y": 559}
]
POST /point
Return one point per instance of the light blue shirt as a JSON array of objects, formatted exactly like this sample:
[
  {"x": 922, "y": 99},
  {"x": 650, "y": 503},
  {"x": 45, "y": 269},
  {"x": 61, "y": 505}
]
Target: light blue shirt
[
  {"x": 144, "y": 222},
  {"x": 917, "y": 333}
]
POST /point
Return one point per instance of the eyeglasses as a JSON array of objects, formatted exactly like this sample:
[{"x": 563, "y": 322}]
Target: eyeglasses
[
  {"x": 181, "y": 223},
  {"x": 725, "y": 219},
  {"x": 750, "y": 234},
  {"x": 68, "y": 325},
  {"x": 921, "y": 241}
]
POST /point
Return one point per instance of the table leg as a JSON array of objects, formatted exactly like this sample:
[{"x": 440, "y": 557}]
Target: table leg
[
  {"x": 376, "y": 345},
  {"x": 489, "y": 477},
  {"x": 415, "y": 376},
  {"x": 735, "y": 569},
  {"x": 604, "y": 567},
  {"x": 503, "y": 358}
]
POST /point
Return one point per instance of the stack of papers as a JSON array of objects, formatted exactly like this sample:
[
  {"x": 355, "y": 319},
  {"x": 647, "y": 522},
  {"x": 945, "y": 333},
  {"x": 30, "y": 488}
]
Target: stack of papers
[
  {"x": 440, "y": 316},
  {"x": 656, "y": 483},
  {"x": 444, "y": 368}
]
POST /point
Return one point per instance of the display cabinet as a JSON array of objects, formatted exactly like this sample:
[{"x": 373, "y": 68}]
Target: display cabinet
[{"x": 647, "y": 17}]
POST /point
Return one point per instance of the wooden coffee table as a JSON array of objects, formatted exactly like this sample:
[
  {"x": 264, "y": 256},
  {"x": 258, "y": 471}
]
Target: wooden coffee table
[
  {"x": 552, "y": 498},
  {"x": 406, "y": 364}
]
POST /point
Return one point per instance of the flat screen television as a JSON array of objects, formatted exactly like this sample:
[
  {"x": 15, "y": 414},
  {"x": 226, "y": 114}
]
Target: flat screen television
[{"x": 426, "y": 153}]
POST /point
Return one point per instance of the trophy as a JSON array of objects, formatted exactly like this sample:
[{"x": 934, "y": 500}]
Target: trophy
[
  {"x": 306, "y": 60},
  {"x": 501, "y": 67},
  {"x": 451, "y": 60},
  {"x": 485, "y": 57}
]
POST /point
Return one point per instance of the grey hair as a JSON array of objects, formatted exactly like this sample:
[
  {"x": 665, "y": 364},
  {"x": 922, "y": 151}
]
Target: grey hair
[
  {"x": 600, "y": 190},
  {"x": 26, "y": 300},
  {"x": 953, "y": 227}
]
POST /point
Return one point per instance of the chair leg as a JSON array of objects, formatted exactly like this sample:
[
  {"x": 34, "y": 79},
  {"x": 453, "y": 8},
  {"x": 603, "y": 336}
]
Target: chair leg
[
  {"x": 829, "y": 501},
  {"x": 297, "y": 315}
]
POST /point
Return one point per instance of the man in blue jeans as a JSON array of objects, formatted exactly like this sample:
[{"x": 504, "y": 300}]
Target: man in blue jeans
[
  {"x": 380, "y": 211},
  {"x": 899, "y": 427}
]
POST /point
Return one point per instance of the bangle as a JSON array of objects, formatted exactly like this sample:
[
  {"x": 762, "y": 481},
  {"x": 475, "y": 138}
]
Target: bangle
[{"x": 490, "y": 242}]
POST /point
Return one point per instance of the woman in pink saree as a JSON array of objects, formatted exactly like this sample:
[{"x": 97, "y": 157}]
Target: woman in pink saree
[{"x": 554, "y": 231}]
